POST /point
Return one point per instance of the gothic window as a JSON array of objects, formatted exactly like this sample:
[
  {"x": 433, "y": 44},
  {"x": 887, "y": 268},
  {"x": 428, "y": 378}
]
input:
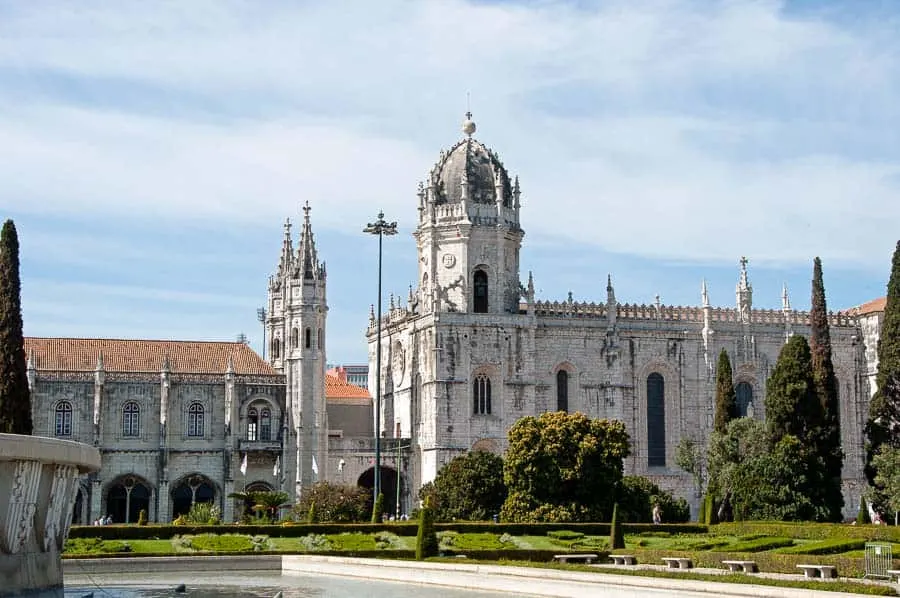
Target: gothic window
[
  {"x": 744, "y": 396},
  {"x": 481, "y": 393},
  {"x": 308, "y": 335},
  {"x": 480, "y": 287},
  {"x": 252, "y": 425},
  {"x": 562, "y": 390},
  {"x": 656, "y": 421},
  {"x": 265, "y": 424},
  {"x": 295, "y": 338},
  {"x": 195, "y": 420},
  {"x": 319, "y": 338},
  {"x": 131, "y": 419},
  {"x": 64, "y": 418},
  {"x": 276, "y": 348}
]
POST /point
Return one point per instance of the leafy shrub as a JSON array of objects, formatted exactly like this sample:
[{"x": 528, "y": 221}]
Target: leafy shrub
[
  {"x": 95, "y": 546},
  {"x": 469, "y": 487},
  {"x": 335, "y": 503},
  {"x": 353, "y": 541},
  {"x": 222, "y": 543},
  {"x": 565, "y": 534},
  {"x": 482, "y": 541},
  {"x": 180, "y": 520},
  {"x": 426, "y": 539},
  {"x": 637, "y": 497},
  {"x": 378, "y": 509},
  {"x": 760, "y": 544},
  {"x": 203, "y": 513},
  {"x": 142, "y": 517},
  {"x": 387, "y": 541},
  {"x": 862, "y": 515},
  {"x": 316, "y": 543},
  {"x": 182, "y": 544},
  {"x": 824, "y": 547}
]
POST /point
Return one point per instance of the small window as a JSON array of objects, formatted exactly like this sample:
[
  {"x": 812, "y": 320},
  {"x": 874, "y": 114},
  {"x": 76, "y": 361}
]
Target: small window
[
  {"x": 265, "y": 425},
  {"x": 319, "y": 338},
  {"x": 562, "y": 390},
  {"x": 131, "y": 420},
  {"x": 195, "y": 420},
  {"x": 308, "y": 338},
  {"x": 252, "y": 425},
  {"x": 295, "y": 338},
  {"x": 744, "y": 397},
  {"x": 276, "y": 348},
  {"x": 64, "y": 418},
  {"x": 481, "y": 392},
  {"x": 480, "y": 288}
]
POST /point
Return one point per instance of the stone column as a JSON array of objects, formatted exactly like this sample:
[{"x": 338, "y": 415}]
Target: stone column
[
  {"x": 96, "y": 496},
  {"x": 228, "y": 503},
  {"x": 162, "y": 502}
]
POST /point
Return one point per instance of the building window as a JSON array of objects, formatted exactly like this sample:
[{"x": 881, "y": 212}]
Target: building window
[
  {"x": 64, "y": 418},
  {"x": 562, "y": 390},
  {"x": 308, "y": 338},
  {"x": 319, "y": 338},
  {"x": 481, "y": 392},
  {"x": 252, "y": 425},
  {"x": 276, "y": 348},
  {"x": 744, "y": 397},
  {"x": 195, "y": 420},
  {"x": 295, "y": 338},
  {"x": 656, "y": 421},
  {"x": 265, "y": 425},
  {"x": 480, "y": 288},
  {"x": 131, "y": 419}
]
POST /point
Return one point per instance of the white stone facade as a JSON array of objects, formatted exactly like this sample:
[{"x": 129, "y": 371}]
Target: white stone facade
[{"x": 473, "y": 351}]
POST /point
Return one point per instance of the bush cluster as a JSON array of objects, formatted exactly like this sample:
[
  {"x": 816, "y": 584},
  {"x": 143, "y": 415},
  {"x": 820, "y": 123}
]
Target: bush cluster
[{"x": 835, "y": 546}]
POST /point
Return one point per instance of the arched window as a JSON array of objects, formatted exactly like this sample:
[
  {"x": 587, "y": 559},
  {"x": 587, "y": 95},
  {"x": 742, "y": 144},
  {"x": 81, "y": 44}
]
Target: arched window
[
  {"x": 295, "y": 338},
  {"x": 744, "y": 397},
  {"x": 308, "y": 339},
  {"x": 656, "y": 421},
  {"x": 481, "y": 393},
  {"x": 319, "y": 338},
  {"x": 195, "y": 419},
  {"x": 562, "y": 390},
  {"x": 131, "y": 419},
  {"x": 265, "y": 424},
  {"x": 64, "y": 418},
  {"x": 276, "y": 348},
  {"x": 480, "y": 287},
  {"x": 252, "y": 425}
]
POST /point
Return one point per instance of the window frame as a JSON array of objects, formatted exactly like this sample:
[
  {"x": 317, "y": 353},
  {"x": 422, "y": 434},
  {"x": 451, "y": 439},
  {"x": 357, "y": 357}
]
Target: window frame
[
  {"x": 63, "y": 420},
  {"x": 196, "y": 420},
  {"x": 131, "y": 420}
]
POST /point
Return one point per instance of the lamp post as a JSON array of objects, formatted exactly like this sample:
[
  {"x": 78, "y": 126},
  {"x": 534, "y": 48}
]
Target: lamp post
[
  {"x": 261, "y": 318},
  {"x": 381, "y": 228}
]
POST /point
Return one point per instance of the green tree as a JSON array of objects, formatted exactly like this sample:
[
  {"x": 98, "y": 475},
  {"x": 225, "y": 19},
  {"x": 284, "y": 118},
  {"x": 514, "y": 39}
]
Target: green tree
[
  {"x": 426, "y": 538},
  {"x": 792, "y": 407},
  {"x": 378, "y": 509},
  {"x": 887, "y": 466},
  {"x": 470, "y": 487},
  {"x": 690, "y": 456},
  {"x": 828, "y": 435},
  {"x": 15, "y": 398},
  {"x": 563, "y": 467},
  {"x": 637, "y": 495},
  {"x": 335, "y": 503},
  {"x": 883, "y": 426},
  {"x": 616, "y": 532},
  {"x": 726, "y": 401}
]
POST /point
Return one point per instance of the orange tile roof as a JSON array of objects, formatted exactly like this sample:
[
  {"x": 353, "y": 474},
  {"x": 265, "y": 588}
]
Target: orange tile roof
[
  {"x": 132, "y": 355},
  {"x": 338, "y": 389},
  {"x": 873, "y": 306}
]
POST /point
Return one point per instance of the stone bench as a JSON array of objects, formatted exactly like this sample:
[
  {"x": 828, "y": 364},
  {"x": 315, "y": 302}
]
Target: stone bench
[
  {"x": 741, "y": 566},
  {"x": 565, "y": 558},
  {"x": 678, "y": 562},
  {"x": 623, "y": 559},
  {"x": 818, "y": 571}
]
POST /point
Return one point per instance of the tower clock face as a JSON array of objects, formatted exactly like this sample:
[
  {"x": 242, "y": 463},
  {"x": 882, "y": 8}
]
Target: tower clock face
[{"x": 449, "y": 260}]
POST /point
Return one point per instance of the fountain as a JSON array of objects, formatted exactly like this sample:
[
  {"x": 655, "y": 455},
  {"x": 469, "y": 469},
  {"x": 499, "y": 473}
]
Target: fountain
[{"x": 38, "y": 485}]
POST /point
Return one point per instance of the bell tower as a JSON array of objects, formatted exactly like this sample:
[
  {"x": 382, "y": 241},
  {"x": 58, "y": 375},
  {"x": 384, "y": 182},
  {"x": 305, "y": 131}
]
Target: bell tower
[
  {"x": 468, "y": 234},
  {"x": 295, "y": 327}
]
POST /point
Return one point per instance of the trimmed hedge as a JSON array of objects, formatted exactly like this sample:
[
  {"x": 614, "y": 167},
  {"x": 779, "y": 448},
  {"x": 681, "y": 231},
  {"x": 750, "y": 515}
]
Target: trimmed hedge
[
  {"x": 768, "y": 562},
  {"x": 807, "y": 531},
  {"x": 825, "y": 547},
  {"x": 760, "y": 544},
  {"x": 164, "y": 532}
]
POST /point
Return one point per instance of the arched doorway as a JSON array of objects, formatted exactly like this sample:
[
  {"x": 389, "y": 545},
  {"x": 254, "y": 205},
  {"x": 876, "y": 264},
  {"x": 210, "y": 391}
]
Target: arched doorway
[
  {"x": 246, "y": 503},
  {"x": 191, "y": 489},
  {"x": 78, "y": 508},
  {"x": 389, "y": 479},
  {"x": 126, "y": 498}
]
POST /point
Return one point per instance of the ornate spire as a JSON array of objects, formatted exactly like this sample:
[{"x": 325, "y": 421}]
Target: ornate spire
[
  {"x": 468, "y": 126},
  {"x": 229, "y": 367},
  {"x": 100, "y": 366},
  {"x": 704, "y": 294},
  {"x": 786, "y": 312},
  {"x": 31, "y": 361},
  {"x": 744, "y": 294},
  {"x": 610, "y": 292},
  {"x": 611, "y": 304},
  {"x": 287, "y": 250},
  {"x": 307, "y": 265},
  {"x": 166, "y": 367},
  {"x": 785, "y": 300}
]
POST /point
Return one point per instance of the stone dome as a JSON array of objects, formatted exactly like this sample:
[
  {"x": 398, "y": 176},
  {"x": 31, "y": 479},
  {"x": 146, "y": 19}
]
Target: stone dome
[{"x": 470, "y": 161}]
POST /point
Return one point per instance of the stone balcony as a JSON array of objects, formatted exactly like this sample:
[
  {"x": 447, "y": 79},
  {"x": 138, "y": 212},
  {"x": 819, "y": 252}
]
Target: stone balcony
[
  {"x": 38, "y": 484},
  {"x": 252, "y": 446}
]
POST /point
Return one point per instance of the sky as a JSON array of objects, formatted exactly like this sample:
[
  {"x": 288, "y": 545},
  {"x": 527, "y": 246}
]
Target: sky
[{"x": 150, "y": 152}]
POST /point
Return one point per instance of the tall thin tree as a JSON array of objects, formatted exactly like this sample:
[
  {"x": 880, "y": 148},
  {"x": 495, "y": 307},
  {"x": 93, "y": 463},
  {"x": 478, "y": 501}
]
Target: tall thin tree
[
  {"x": 726, "y": 401},
  {"x": 828, "y": 436},
  {"x": 15, "y": 398},
  {"x": 883, "y": 426}
]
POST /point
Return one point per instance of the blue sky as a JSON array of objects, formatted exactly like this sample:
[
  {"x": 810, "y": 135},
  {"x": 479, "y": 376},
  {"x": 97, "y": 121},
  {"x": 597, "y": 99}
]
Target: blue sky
[{"x": 149, "y": 152}]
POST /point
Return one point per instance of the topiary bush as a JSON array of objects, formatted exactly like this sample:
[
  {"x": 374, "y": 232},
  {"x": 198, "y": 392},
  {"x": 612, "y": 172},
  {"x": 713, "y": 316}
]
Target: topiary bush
[
  {"x": 616, "y": 533},
  {"x": 378, "y": 509},
  {"x": 222, "y": 543},
  {"x": 426, "y": 540},
  {"x": 862, "y": 516},
  {"x": 142, "y": 517}
]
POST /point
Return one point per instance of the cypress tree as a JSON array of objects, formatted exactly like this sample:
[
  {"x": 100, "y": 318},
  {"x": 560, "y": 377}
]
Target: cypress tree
[
  {"x": 884, "y": 410},
  {"x": 792, "y": 406},
  {"x": 726, "y": 401},
  {"x": 828, "y": 435},
  {"x": 426, "y": 539},
  {"x": 378, "y": 509},
  {"x": 15, "y": 398},
  {"x": 616, "y": 533}
]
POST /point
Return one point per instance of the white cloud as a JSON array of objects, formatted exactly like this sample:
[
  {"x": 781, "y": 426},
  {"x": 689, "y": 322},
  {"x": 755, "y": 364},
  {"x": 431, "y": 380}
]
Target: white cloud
[{"x": 674, "y": 128}]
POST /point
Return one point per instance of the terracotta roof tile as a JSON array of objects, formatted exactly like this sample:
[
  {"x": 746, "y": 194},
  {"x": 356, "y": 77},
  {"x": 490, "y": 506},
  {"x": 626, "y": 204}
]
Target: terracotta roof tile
[
  {"x": 133, "y": 355},
  {"x": 873, "y": 306},
  {"x": 338, "y": 389}
]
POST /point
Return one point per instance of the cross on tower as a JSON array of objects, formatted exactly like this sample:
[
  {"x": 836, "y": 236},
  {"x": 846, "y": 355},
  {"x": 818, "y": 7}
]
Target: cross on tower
[
  {"x": 744, "y": 262},
  {"x": 306, "y": 209}
]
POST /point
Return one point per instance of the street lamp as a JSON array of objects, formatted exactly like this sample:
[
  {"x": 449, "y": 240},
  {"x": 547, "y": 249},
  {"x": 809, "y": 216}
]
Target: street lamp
[
  {"x": 261, "y": 318},
  {"x": 380, "y": 228}
]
